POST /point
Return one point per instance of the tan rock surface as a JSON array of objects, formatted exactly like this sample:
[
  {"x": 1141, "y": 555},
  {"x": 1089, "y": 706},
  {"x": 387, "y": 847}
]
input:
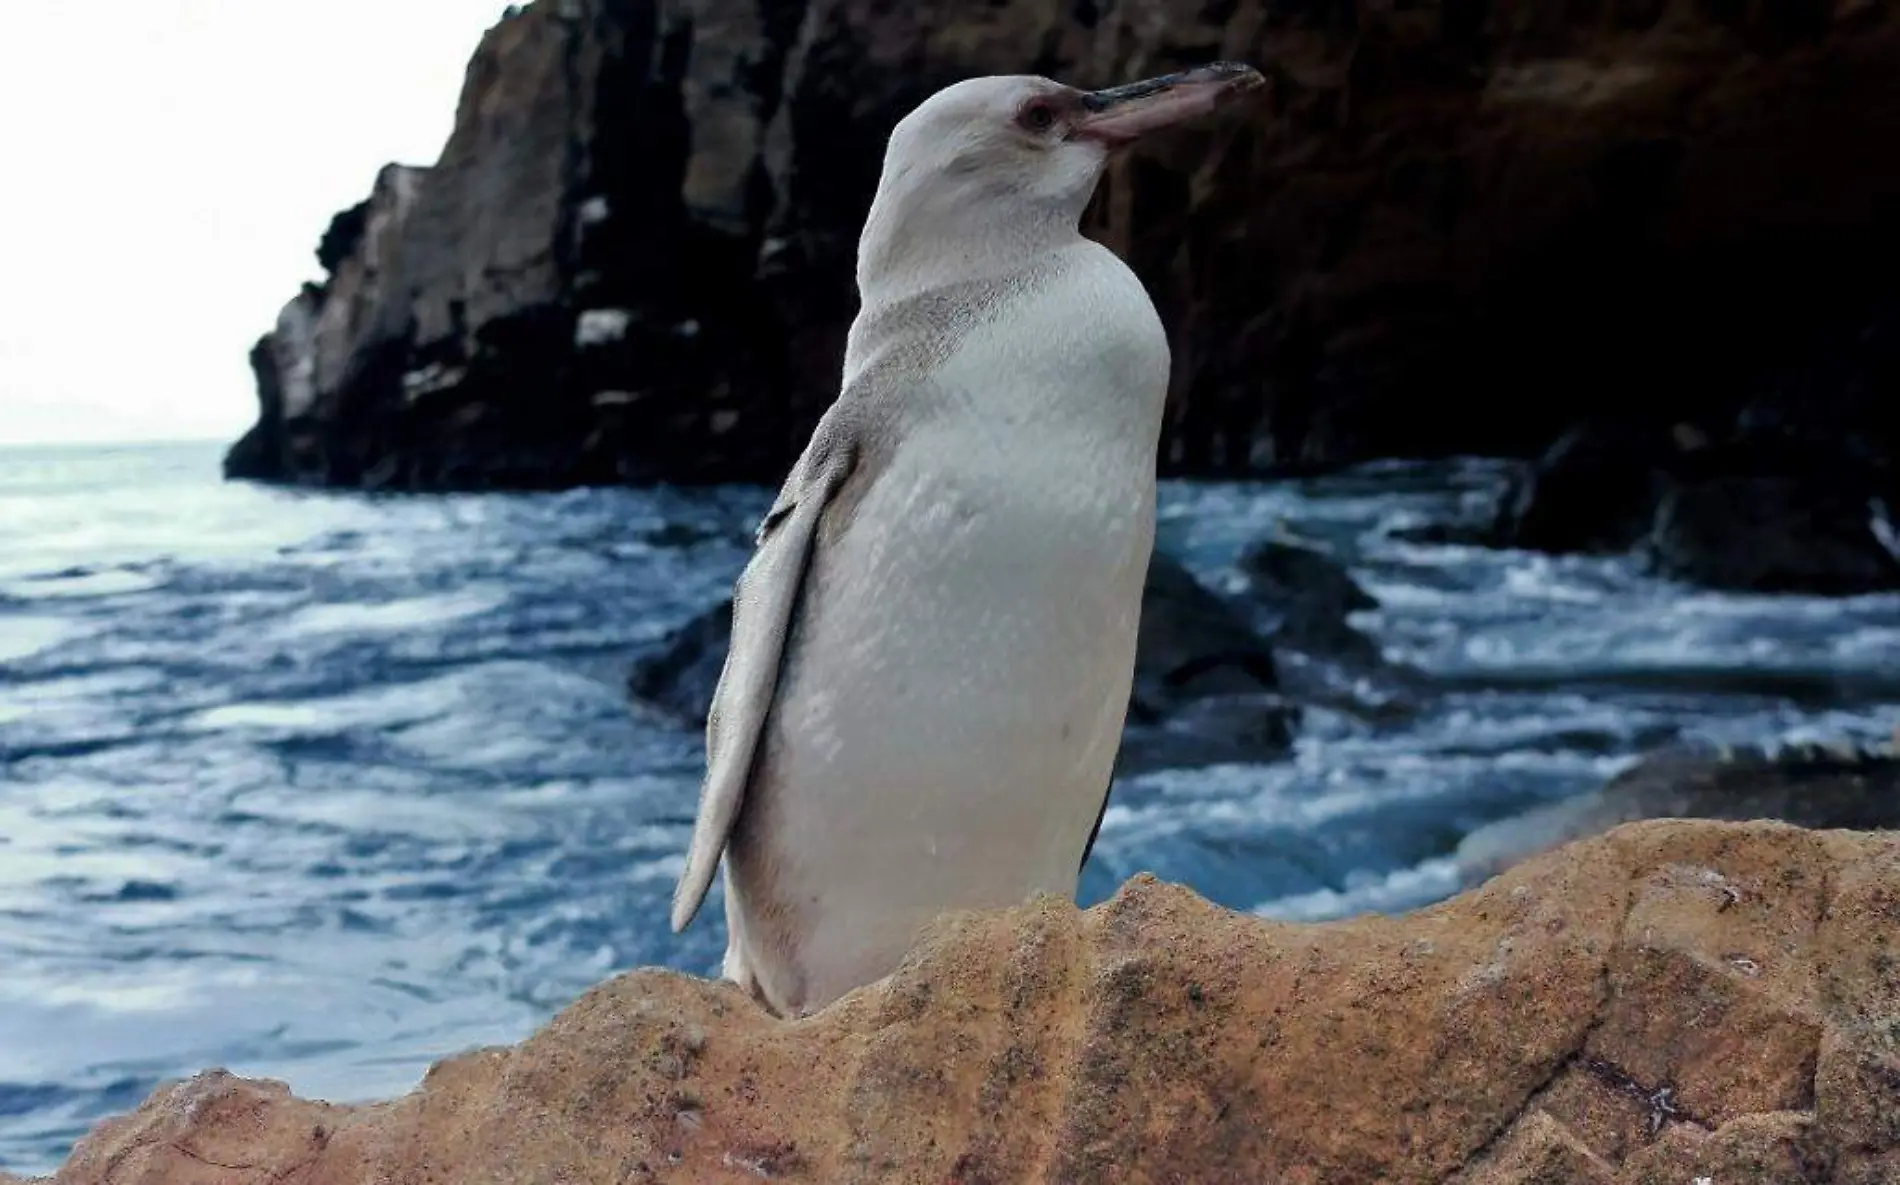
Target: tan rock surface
[{"x": 1671, "y": 1001}]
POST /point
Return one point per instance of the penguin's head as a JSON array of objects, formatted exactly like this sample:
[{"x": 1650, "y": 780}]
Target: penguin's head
[{"x": 1005, "y": 157}]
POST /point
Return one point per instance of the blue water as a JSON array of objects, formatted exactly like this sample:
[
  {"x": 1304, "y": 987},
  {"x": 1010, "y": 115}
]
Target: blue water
[{"x": 323, "y": 787}]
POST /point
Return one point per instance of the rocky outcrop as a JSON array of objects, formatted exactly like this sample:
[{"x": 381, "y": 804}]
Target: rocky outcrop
[
  {"x": 677, "y": 675},
  {"x": 1206, "y": 687},
  {"x": 1310, "y": 597},
  {"x": 1669, "y": 1003},
  {"x": 1793, "y": 492},
  {"x": 1740, "y": 516},
  {"x": 1843, "y": 786},
  {"x": 1755, "y": 533},
  {"x": 522, "y": 311},
  {"x": 1451, "y": 226}
]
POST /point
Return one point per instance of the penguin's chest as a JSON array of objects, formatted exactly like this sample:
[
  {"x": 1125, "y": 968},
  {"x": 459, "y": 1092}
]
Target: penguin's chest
[
  {"x": 976, "y": 620},
  {"x": 959, "y": 669}
]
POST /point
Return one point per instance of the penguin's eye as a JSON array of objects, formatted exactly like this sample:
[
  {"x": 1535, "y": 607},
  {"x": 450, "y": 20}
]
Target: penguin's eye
[{"x": 1037, "y": 116}]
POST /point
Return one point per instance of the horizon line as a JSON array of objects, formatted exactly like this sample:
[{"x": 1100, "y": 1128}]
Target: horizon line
[{"x": 108, "y": 441}]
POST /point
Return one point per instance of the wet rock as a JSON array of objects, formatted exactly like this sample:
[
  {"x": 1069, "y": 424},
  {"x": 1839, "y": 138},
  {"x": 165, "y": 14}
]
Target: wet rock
[
  {"x": 1595, "y": 490},
  {"x": 1536, "y": 217},
  {"x": 1237, "y": 728},
  {"x": 1814, "y": 786},
  {"x": 1205, "y": 683},
  {"x": 1194, "y": 644},
  {"x": 1449, "y": 534},
  {"x": 1670, "y": 1002},
  {"x": 284, "y": 365},
  {"x": 1309, "y": 597},
  {"x": 1772, "y": 534},
  {"x": 1301, "y": 600},
  {"x": 679, "y": 675},
  {"x": 1780, "y": 494},
  {"x": 1742, "y": 514}
]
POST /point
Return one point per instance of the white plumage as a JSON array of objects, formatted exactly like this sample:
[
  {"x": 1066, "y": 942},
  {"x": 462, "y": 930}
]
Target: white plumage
[{"x": 934, "y": 643}]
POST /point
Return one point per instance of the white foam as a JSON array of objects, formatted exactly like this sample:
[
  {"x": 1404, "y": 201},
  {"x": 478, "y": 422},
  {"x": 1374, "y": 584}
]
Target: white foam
[
  {"x": 1883, "y": 526},
  {"x": 597, "y": 327},
  {"x": 1365, "y": 892},
  {"x": 391, "y": 616},
  {"x": 23, "y": 637},
  {"x": 113, "y": 582}
]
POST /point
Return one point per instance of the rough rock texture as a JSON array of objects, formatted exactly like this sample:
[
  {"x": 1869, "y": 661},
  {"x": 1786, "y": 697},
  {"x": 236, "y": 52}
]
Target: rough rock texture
[
  {"x": 1669, "y": 1002},
  {"x": 1450, "y": 225},
  {"x": 1816, "y": 786}
]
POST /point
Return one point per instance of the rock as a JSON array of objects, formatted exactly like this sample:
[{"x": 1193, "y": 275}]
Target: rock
[
  {"x": 1310, "y": 596},
  {"x": 1235, "y": 728},
  {"x": 1205, "y": 682},
  {"x": 1782, "y": 496},
  {"x": 1772, "y": 535},
  {"x": 283, "y": 363},
  {"x": 1302, "y": 601},
  {"x": 1671, "y": 1001},
  {"x": 1835, "y": 405},
  {"x": 1595, "y": 490},
  {"x": 344, "y": 237},
  {"x": 1536, "y": 215},
  {"x": 517, "y": 314},
  {"x": 1765, "y": 508},
  {"x": 1814, "y": 786},
  {"x": 1194, "y": 644},
  {"x": 680, "y": 675}
]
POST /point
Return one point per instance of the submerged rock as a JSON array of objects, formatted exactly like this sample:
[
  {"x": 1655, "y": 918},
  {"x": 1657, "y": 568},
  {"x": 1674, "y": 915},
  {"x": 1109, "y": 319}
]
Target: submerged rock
[
  {"x": 1310, "y": 597},
  {"x": 1672, "y": 1002},
  {"x": 1207, "y": 686},
  {"x": 678, "y": 676},
  {"x": 1449, "y": 227}
]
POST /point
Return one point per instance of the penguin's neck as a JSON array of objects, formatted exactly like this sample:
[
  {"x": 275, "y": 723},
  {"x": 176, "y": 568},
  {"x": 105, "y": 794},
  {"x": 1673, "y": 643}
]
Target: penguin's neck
[
  {"x": 1069, "y": 349},
  {"x": 922, "y": 236},
  {"x": 913, "y": 319}
]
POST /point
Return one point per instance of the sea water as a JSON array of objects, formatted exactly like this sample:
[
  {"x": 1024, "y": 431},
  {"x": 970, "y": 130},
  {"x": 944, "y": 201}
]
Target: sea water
[{"x": 325, "y": 786}]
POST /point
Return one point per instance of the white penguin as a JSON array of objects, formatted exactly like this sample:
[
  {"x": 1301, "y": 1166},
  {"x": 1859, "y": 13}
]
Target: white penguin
[{"x": 934, "y": 642}]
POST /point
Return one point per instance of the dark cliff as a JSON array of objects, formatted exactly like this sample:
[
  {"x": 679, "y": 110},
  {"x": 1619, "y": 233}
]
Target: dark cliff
[{"x": 1451, "y": 226}]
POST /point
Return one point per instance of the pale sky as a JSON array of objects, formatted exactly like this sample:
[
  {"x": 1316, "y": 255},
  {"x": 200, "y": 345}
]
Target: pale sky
[{"x": 166, "y": 168}]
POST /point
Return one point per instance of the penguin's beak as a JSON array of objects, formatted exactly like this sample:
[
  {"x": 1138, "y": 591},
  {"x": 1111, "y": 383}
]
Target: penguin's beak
[{"x": 1123, "y": 114}]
